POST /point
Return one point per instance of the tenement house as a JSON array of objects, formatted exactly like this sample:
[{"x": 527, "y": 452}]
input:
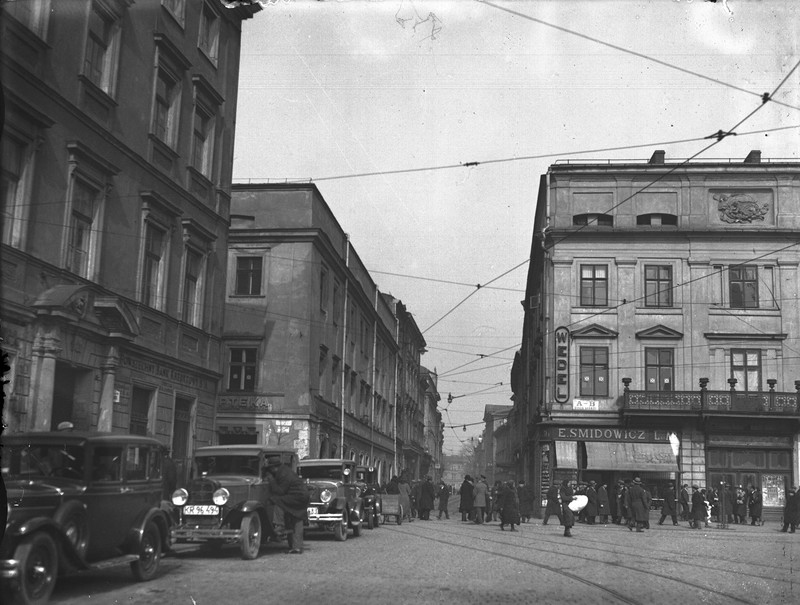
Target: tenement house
[
  {"x": 117, "y": 151},
  {"x": 662, "y": 326}
]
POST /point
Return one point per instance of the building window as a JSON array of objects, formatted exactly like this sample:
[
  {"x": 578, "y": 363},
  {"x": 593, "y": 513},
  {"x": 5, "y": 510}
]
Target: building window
[
  {"x": 323, "y": 289},
  {"x": 746, "y": 369},
  {"x": 153, "y": 270},
  {"x": 658, "y": 286},
  {"x": 176, "y": 8},
  {"x": 140, "y": 410},
  {"x": 337, "y": 302},
  {"x": 203, "y": 140},
  {"x": 593, "y": 220},
  {"x": 165, "y": 110},
  {"x": 364, "y": 333},
  {"x": 336, "y": 374},
  {"x": 208, "y": 40},
  {"x": 85, "y": 200},
  {"x": 242, "y": 369},
  {"x": 659, "y": 373},
  {"x": 743, "y": 281},
  {"x": 192, "y": 287},
  {"x": 323, "y": 362},
  {"x": 248, "y": 275},
  {"x": 594, "y": 285},
  {"x": 657, "y": 220},
  {"x": 102, "y": 47},
  {"x": 594, "y": 371},
  {"x": 14, "y": 190},
  {"x": 34, "y": 14}
]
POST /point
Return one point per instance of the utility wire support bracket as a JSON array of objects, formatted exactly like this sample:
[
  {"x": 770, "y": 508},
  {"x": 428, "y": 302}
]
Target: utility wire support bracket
[{"x": 720, "y": 134}]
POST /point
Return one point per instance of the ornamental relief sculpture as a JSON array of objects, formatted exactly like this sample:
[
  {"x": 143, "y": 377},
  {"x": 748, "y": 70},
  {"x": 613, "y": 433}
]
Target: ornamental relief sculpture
[{"x": 740, "y": 208}]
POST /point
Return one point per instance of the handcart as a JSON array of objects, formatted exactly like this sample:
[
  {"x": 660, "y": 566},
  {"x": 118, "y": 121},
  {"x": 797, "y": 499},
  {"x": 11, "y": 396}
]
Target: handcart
[{"x": 391, "y": 507}]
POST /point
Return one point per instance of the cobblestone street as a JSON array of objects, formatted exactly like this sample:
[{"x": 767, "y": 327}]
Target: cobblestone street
[{"x": 449, "y": 561}]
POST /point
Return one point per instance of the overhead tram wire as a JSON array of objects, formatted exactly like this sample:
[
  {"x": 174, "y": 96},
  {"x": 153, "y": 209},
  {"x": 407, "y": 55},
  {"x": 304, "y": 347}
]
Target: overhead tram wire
[{"x": 626, "y": 50}]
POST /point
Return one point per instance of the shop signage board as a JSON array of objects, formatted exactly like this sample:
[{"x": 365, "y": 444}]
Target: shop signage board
[
  {"x": 562, "y": 365},
  {"x": 587, "y": 433},
  {"x": 587, "y": 405}
]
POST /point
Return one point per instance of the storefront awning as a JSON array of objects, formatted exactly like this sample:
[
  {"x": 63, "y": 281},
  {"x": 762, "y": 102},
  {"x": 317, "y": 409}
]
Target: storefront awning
[
  {"x": 612, "y": 456},
  {"x": 567, "y": 454}
]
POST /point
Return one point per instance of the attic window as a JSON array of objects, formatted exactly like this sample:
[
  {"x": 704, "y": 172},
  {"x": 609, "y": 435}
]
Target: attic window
[
  {"x": 593, "y": 220},
  {"x": 657, "y": 219}
]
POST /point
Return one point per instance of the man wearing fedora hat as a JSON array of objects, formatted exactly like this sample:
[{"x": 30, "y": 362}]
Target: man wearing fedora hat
[
  {"x": 638, "y": 506},
  {"x": 698, "y": 508},
  {"x": 289, "y": 494}
]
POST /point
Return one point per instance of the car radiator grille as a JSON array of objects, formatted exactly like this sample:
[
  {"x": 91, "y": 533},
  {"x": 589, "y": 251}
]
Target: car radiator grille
[{"x": 201, "y": 492}]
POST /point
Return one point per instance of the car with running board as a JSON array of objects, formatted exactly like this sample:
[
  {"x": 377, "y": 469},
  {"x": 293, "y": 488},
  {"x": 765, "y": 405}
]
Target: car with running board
[{"x": 336, "y": 505}]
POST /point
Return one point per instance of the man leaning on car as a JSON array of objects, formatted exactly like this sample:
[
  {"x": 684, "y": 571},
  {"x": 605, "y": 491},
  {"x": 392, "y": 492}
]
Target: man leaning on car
[{"x": 288, "y": 492}]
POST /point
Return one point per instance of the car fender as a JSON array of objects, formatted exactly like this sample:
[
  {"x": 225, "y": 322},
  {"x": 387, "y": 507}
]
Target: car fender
[
  {"x": 356, "y": 510},
  {"x": 160, "y": 517},
  {"x": 16, "y": 533}
]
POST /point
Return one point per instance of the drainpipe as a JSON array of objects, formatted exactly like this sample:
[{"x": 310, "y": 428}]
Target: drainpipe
[
  {"x": 345, "y": 336},
  {"x": 372, "y": 381}
]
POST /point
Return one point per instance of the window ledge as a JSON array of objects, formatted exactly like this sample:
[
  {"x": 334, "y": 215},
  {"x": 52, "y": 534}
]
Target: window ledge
[
  {"x": 240, "y": 296},
  {"x": 162, "y": 146},
  {"x": 97, "y": 93},
  {"x": 208, "y": 57},
  {"x": 722, "y": 310}
]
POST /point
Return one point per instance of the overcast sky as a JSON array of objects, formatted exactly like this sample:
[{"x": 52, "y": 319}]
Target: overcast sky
[{"x": 413, "y": 90}]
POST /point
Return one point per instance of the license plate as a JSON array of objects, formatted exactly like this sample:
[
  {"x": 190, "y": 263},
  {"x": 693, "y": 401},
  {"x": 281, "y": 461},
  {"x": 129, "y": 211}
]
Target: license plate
[
  {"x": 201, "y": 509},
  {"x": 313, "y": 511}
]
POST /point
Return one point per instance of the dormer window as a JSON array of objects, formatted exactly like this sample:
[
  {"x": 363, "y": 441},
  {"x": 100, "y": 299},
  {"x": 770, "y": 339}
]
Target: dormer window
[
  {"x": 657, "y": 220},
  {"x": 593, "y": 220}
]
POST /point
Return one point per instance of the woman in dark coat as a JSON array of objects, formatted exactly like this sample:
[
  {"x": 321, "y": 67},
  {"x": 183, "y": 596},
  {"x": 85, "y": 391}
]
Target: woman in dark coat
[
  {"x": 508, "y": 501},
  {"x": 525, "y": 502},
  {"x": 466, "y": 505},
  {"x": 755, "y": 504},
  {"x": 698, "y": 508},
  {"x": 669, "y": 508},
  {"x": 590, "y": 511},
  {"x": 638, "y": 505}
]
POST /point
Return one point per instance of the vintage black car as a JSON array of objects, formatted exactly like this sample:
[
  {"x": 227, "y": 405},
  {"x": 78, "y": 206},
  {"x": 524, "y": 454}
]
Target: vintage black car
[
  {"x": 367, "y": 479},
  {"x": 77, "y": 501},
  {"x": 336, "y": 504},
  {"x": 226, "y": 500}
]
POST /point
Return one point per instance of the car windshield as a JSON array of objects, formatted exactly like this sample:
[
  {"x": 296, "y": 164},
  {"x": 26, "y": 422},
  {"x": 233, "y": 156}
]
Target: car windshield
[
  {"x": 321, "y": 472},
  {"x": 43, "y": 460},
  {"x": 227, "y": 465}
]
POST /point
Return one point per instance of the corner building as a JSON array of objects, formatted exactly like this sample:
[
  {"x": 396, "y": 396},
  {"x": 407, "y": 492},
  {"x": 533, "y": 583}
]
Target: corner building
[{"x": 662, "y": 326}]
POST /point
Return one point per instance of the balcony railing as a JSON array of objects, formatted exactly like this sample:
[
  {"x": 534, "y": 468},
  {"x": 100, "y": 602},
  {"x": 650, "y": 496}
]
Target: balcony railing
[{"x": 705, "y": 402}]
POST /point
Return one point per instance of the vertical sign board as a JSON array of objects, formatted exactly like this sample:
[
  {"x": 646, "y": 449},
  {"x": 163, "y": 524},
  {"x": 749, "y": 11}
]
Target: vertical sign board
[{"x": 562, "y": 365}]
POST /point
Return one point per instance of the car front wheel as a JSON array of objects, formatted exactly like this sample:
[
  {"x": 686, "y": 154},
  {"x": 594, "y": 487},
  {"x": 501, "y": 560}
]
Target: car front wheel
[
  {"x": 149, "y": 553},
  {"x": 370, "y": 513},
  {"x": 340, "y": 531},
  {"x": 250, "y": 542},
  {"x": 38, "y": 568}
]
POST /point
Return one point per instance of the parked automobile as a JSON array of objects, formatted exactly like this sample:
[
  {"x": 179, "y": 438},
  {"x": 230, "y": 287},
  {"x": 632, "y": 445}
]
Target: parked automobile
[
  {"x": 336, "y": 504},
  {"x": 226, "y": 500},
  {"x": 76, "y": 501},
  {"x": 367, "y": 479}
]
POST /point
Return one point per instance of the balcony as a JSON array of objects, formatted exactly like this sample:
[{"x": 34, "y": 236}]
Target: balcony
[{"x": 705, "y": 403}]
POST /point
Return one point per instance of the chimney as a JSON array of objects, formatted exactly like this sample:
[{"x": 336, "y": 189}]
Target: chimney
[
  {"x": 754, "y": 157},
  {"x": 657, "y": 157}
]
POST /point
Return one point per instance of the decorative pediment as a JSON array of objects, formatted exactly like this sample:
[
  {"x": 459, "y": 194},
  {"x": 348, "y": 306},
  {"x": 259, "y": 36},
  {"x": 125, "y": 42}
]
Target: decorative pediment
[
  {"x": 79, "y": 304},
  {"x": 660, "y": 331},
  {"x": 594, "y": 331}
]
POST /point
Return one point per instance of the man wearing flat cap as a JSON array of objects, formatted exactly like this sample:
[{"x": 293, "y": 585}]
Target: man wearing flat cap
[{"x": 289, "y": 493}]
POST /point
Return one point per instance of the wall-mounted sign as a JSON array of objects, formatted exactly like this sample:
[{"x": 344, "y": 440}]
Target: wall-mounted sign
[
  {"x": 591, "y": 405},
  {"x": 586, "y": 433},
  {"x": 562, "y": 365}
]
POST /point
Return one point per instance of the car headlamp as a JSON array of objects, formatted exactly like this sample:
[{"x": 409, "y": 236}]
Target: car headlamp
[
  {"x": 326, "y": 495},
  {"x": 221, "y": 496},
  {"x": 180, "y": 496}
]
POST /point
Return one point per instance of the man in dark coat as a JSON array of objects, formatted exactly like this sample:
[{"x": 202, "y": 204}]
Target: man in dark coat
[
  {"x": 755, "y": 504},
  {"x": 553, "y": 505},
  {"x": 683, "y": 501},
  {"x": 466, "y": 505},
  {"x": 637, "y": 504},
  {"x": 443, "y": 493},
  {"x": 565, "y": 497},
  {"x": 525, "y": 501},
  {"x": 791, "y": 511},
  {"x": 508, "y": 502},
  {"x": 669, "y": 508},
  {"x": 427, "y": 495},
  {"x": 698, "y": 508},
  {"x": 590, "y": 512},
  {"x": 289, "y": 493},
  {"x": 602, "y": 503}
]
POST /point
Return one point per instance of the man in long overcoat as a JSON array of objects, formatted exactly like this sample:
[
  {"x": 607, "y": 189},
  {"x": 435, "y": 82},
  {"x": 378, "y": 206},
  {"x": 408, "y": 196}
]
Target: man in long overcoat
[
  {"x": 637, "y": 504},
  {"x": 698, "y": 508},
  {"x": 466, "y": 505},
  {"x": 602, "y": 503},
  {"x": 427, "y": 495},
  {"x": 683, "y": 501},
  {"x": 288, "y": 492},
  {"x": 553, "y": 505},
  {"x": 480, "y": 499},
  {"x": 590, "y": 512},
  {"x": 565, "y": 497},
  {"x": 669, "y": 508},
  {"x": 755, "y": 504},
  {"x": 791, "y": 511},
  {"x": 508, "y": 500},
  {"x": 525, "y": 501}
]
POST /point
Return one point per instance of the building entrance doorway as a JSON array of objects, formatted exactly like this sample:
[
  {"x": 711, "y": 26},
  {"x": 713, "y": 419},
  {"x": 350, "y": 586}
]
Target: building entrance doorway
[{"x": 72, "y": 396}]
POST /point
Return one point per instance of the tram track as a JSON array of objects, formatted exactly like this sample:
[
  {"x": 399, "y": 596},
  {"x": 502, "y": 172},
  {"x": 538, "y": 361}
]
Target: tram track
[{"x": 532, "y": 545}]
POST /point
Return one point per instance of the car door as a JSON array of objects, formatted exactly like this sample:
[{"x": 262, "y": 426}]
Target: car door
[{"x": 104, "y": 501}]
